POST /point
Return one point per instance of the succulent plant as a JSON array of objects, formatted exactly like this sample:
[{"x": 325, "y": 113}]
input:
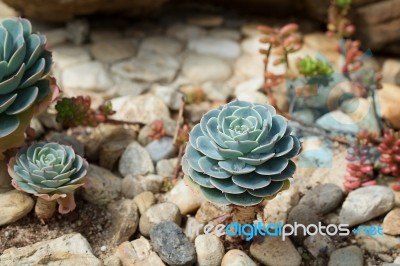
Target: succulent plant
[
  {"x": 50, "y": 171},
  {"x": 240, "y": 154},
  {"x": 313, "y": 67},
  {"x": 24, "y": 61},
  {"x": 390, "y": 155},
  {"x": 361, "y": 157}
]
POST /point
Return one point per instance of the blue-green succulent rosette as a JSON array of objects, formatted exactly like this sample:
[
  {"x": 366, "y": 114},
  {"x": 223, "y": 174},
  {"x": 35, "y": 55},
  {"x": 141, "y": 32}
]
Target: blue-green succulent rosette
[
  {"x": 240, "y": 154},
  {"x": 50, "y": 171}
]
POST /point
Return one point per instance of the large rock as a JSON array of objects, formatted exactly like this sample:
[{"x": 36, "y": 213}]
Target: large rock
[
  {"x": 14, "y": 205},
  {"x": 135, "y": 161},
  {"x": 365, "y": 204},
  {"x": 142, "y": 109},
  {"x": 323, "y": 198},
  {"x": 72, "y": 249}
]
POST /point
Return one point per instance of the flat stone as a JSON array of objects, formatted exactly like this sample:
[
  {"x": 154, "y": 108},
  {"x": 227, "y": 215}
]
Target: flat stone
[
  {"x": 71, "y": 249},
  {"x": 236, "y": 257},
  {"x": 161, "y": 45},
  {"x": 148, "y": 67},
  {"x": 201, "y": 68},
  {"x": 324, "y": 198},
  {"x": 135, "y": 161},
  {"x": 366, "y": 203},
  {"x": 96, "y": 77},
  {"x": 172, "y": 245},
  {"x": 104, "y": 186},
  {"x": 185, "y": 198},
  {"x": 14, "y": 205},
  {"x": 275, "y": 251},
  {"x": 136, "y": 253},
  {"x": 351, "y": 255},
  {"x": 141, "y": 109},
  {"x": 144, "y": 201},
  {"x": 124, "y": 220},
  {"x": 111, "y": 50},
  {"x": 185, "y": 32},
  {"x": 65, "y": 56},
  {"x": 162, "y": 212},
  {"x": 162, "y": 148},
  {"x": 133, "y": 185},
  {"x": 215, "y": 46},
  {"x": 127, "y": 87},
  {"x": 209, "y": 250},
  {"x": 391, "y": 222}
]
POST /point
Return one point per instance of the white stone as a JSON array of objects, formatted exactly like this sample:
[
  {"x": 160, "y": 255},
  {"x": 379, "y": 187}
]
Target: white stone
[
  {"x": 252, "y": 45},
  {"x": 184, "y": 197},
  {"x": 236, "y": 257},
  {"x": 170, "y": 96},
  {"x": 142, "y": 109},
  {"x": 209, "y": 250},
  {"x": 250, "y": 85},
  {"x": 253, "y": 97},
  {"x": 71, "y": 249},
  {"x": 215, "y": 46},
  {"x": 249, "y": 66},
  {"x": 148, "y": 67},
  {"x": 65, "y": 56},
  {"x": 161, "y": 45},
  {"x": 201, "y": 68},
  {"x": 126, "y": 87},
  {"x": 217, "y": 91},
  {"x": 365, "y": 204},
  {"x": 133, "y": 185},
  {"x": 87, "y": 76},
  {"x": 138, "y": 252}
]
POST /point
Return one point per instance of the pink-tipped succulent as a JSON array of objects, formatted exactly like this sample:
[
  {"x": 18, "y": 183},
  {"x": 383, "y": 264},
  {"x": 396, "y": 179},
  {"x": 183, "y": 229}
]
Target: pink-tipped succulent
[
  {"x": 361, "y": 156},
  {"x": 76, "y": 111},
  {"x": 158, "y": 130},
  {"x": 339, "y": 24},
  {"x": 390, "y": 156},
  {"x": 50, "y": 171}
]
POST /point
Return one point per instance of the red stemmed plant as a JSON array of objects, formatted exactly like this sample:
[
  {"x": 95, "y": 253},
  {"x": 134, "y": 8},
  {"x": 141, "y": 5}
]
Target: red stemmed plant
[
  {"x": 390, "y": 156},
  {"x": 361, "y": 156}
]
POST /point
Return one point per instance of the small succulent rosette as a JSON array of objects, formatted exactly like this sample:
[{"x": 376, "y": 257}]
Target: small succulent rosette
[
  {"x": 24, "y": 83},
  {"x": 239, "y": 154},
  {"x": 50, "y": 171}
]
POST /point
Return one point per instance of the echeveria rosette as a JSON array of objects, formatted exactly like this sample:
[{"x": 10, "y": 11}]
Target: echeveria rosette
[
  {"x": 50, "y": 171},
  {"x": 240, "y": 154},
  {"x": 24, "y": 66}
]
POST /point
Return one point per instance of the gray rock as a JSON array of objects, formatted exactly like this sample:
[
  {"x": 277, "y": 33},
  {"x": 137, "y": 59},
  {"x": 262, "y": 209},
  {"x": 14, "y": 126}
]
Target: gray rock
[
  {"x": 201, "y": 68},
  {"x": 324, "y": 198},
  {"x": 351, "y": 255},
  {"x": 133, "y": 185},
  {"x": 365, "y": 204},
  {"x": 215, "y": 46},
  {"x": 162, "y": 212},
  {"x": 171, "y": 97},
  {"x": 172, "y": 245},
  {"x": 275, "y": 251},
  {"x": 124, "y": 221},
  {"x": 126, "y": 87},
  {"x": 161, "y": 45},
  {"x": 236, "y": 257},
  {"x": 14, "y": 205},
  {"x": 319, "y": 245},
  {"x": 148, "y": 67},
  {"x": 96, "y": 77},
  {"x": 71, "y": 249},
  {"x": 160, "y": 149},
  {"x": 104, "y": 186},
  {"x": 135, "y": 161},
  {"x": 302, "y": 214},
  {"x": 209, "y": 250},
  {"x": 141, "y": 109}
]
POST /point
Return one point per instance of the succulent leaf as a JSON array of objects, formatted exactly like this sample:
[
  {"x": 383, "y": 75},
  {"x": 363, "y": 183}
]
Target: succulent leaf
[{"x": 240, "y": 154}]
